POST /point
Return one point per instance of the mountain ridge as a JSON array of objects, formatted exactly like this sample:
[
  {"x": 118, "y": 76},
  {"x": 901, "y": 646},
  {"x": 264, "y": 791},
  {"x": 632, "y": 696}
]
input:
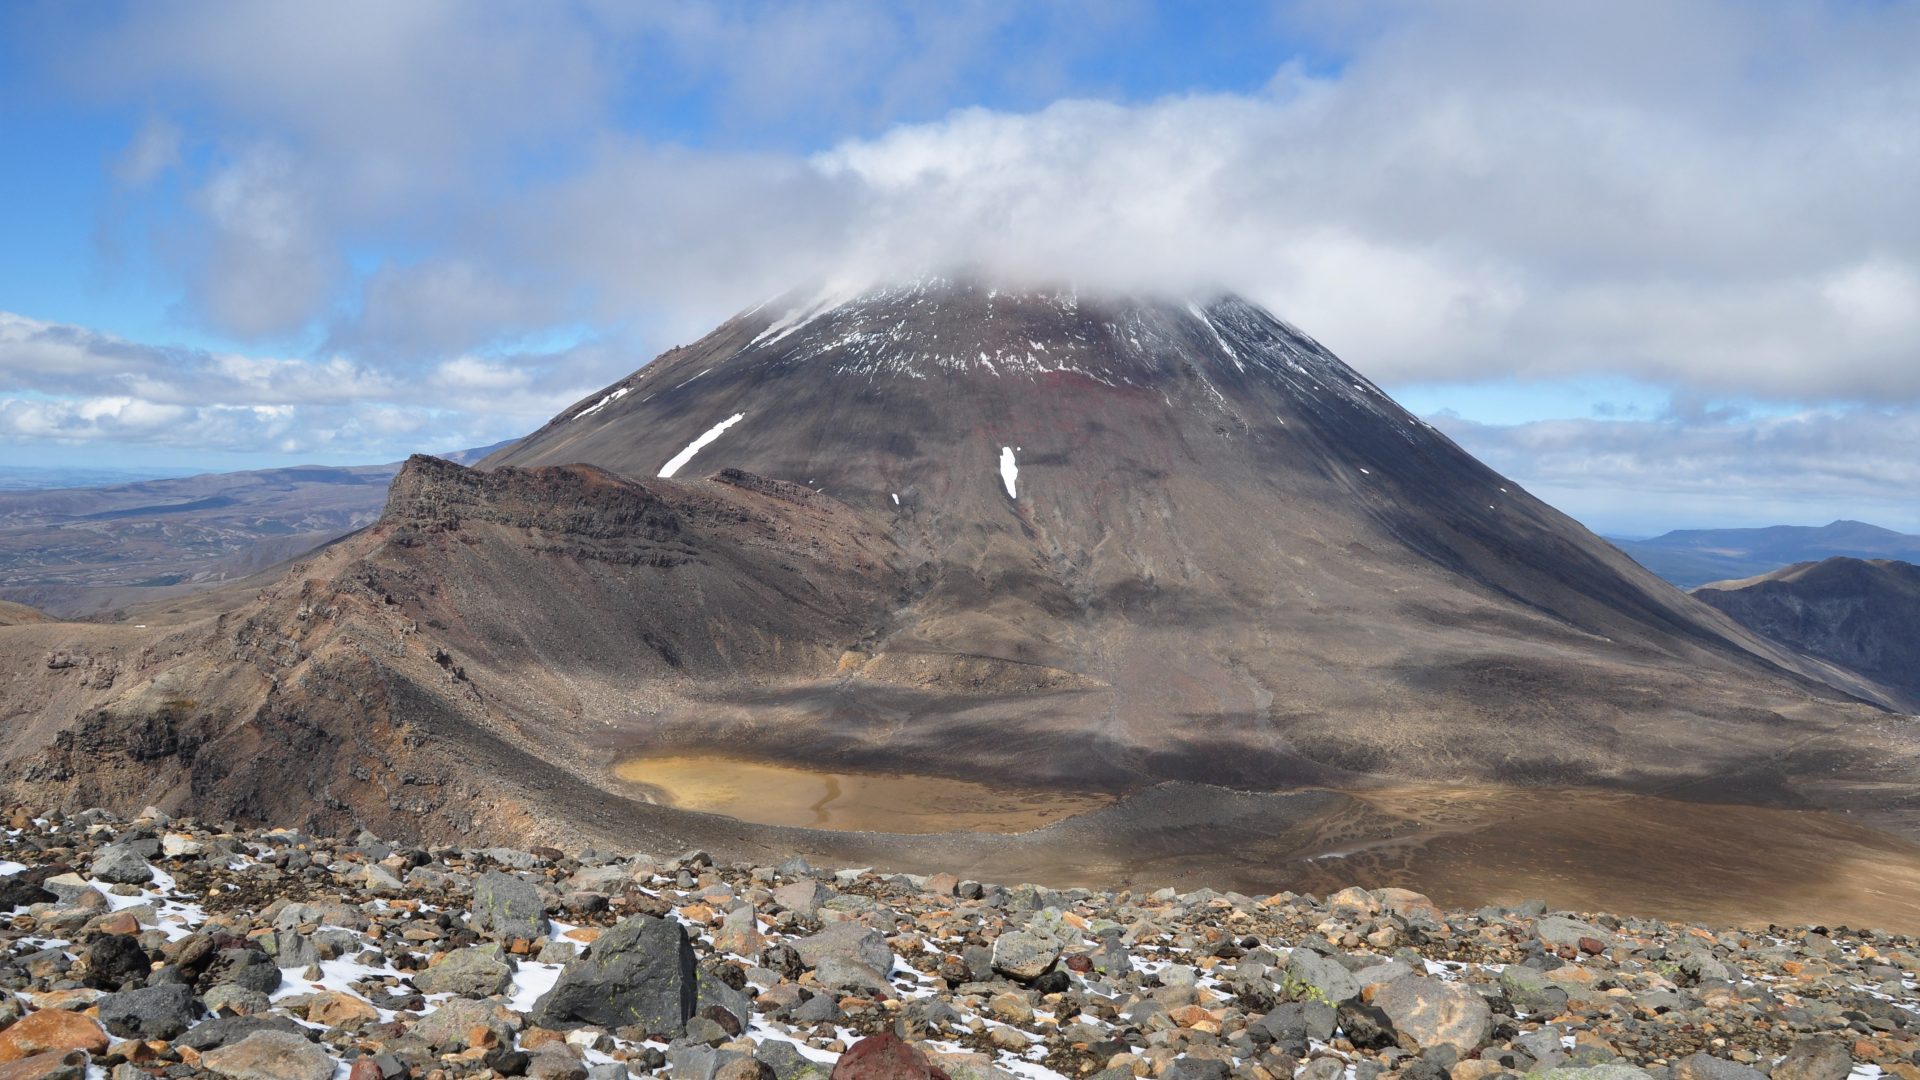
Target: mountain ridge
[
  {"x": 1694, "y": 557},
  {"x": 1862, "y": 614}
]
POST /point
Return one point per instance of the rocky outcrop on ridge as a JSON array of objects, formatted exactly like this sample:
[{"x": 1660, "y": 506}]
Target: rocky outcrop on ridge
[{"x": 171, "y": 948}]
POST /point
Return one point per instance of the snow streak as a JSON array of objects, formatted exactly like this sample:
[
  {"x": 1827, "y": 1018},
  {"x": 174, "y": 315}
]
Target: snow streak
[{"x": 674, "y": 463}]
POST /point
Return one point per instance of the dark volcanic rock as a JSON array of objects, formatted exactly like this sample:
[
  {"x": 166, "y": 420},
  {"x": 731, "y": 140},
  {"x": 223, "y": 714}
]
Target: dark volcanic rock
[
  {"x": 639, "y": 974},
  {"x": 153, "y": 1012},
  {"x": 115, "y": 959}
]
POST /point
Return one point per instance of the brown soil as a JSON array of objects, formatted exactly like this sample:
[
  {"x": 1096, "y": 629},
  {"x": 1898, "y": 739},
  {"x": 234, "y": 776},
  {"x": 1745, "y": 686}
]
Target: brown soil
[
  {"x": 768, "y": 794},
  {"x": 1634, "y": 854}
]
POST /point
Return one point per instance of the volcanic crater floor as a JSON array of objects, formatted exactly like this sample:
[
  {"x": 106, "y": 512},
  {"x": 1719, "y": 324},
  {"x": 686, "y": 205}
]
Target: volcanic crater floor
[
  {"x": 1464, "y": 845},
  {"x": 766, "y": 793}
]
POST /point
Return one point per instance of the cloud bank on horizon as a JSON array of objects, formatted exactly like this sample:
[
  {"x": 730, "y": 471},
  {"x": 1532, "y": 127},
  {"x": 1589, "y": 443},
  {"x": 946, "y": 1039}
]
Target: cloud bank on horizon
[{"x": 378, "y": 223}]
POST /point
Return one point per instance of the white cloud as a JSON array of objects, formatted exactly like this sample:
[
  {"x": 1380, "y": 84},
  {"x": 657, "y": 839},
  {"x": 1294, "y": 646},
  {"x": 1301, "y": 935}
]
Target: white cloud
[
  {"x": 69, "y": 384},
  {"x": 1698, "y": 467},
  {"x": 269, "y": 263}
]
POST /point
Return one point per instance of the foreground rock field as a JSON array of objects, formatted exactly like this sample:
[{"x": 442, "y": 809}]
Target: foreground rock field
[{"x": 161, "y": 947}]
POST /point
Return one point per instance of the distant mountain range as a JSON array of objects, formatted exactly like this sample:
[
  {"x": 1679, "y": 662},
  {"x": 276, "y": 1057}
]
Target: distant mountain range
[
  {"x": 78, "y": 551},
  {"x": 1693, "y": 557}
]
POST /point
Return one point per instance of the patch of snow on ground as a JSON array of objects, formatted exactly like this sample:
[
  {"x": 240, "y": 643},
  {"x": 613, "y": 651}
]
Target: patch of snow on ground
[
  {"x": 530, "y": 982},
  {"x": 338, "y": 975},
  {"x": 1009, "y": 471},
  {"x": 601, "y": 404},
  {"x": 8, "y": 869},
  {"x": 674, "y": 463}
]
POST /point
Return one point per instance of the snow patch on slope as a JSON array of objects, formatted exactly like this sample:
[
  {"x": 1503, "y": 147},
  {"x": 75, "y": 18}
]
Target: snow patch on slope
[
  {"x": 1009, "y": 471},
  {"x": 676, "y": 461},
  {"x": 805, "y": 312},
  {"x": 1215, "y": 331},
  {"x": 602, "y": 403}
]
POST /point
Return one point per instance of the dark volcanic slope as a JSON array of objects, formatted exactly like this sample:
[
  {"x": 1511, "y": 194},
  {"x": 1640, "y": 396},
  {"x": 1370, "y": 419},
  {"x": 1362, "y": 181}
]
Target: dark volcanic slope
[
  {"x": 1862, "y": 614},
  {"x": 1226, "y": 556},
  {"x": 1692, "y": 557}
]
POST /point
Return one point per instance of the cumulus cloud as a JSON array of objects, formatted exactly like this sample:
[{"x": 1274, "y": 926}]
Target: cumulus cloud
[
  {"x": 1709, "y": 193},
  {"x": 1482, "y": 190},
  {"x": 268, "y": 263},
  {"x": 70, "y": 384}
]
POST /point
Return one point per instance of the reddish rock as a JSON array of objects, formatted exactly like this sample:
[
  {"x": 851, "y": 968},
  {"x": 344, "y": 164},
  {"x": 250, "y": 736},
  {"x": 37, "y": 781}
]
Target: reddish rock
[
  {"x": 52, "y": 1030},
  {"x": 1592, "y": 946},
  {"x": 885, "y": 1057},
  {"x": 59, "y": 1065}
]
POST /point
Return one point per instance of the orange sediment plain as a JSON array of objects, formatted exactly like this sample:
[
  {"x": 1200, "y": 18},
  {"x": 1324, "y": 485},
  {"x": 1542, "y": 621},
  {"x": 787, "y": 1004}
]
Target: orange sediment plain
[
  {"x": 769, "y": 794},
  {"x": 1634, "y": 855},
  {"x": 1463, "y": 845}
]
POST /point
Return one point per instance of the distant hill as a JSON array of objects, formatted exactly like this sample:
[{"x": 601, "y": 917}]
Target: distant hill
[
  {"x": 1863, "y": 614},
  {"x": 17, "y": 614},
  {"x": 1693, "y": 557},
  {"x": 80, "y": 551}
]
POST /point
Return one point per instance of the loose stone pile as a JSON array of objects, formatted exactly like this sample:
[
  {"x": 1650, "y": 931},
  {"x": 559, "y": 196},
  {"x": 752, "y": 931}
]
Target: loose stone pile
[{"x": 159, "y": 947}]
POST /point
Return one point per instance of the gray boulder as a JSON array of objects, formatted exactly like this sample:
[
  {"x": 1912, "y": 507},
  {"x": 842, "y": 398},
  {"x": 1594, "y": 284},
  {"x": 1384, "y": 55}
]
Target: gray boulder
[
  {"x": 508, "y": 909},
  {"x": 153, "y": 1012},
  {"x": 847, "y": 941},
  {"x": 451, "y": 1027},
  {"x": 271, "y": 1055},
  {"x": 1023, "y": 956},
  {"x": 1293, "y": 1024},
  {"x": 119, "y": 865},
  {"x": 1433, "y": 1013},
  {"x": 1316, "y": 977},
  {"x": 1531, "y": 992},
  {"x": 838, "y": 973},
  {"x": 1818, "y": 1057},
  {"x": 1560, "y": 930},
  {"x": 474, "y": 973},
  {"x": 221, "y": 1030},
  {"x": 1708, "y": 1067},
  {"x": 248, "y": 969},
  {"x": 1593, "y": 1072},
  {"x": 638, "y": 974},
  {"x": 788, "y": 1063},
  {"x": 803, "y": 897}
]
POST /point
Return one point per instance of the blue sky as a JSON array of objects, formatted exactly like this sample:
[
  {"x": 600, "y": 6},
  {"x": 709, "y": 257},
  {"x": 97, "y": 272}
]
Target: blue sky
[{"x": 1656, "y": 260}]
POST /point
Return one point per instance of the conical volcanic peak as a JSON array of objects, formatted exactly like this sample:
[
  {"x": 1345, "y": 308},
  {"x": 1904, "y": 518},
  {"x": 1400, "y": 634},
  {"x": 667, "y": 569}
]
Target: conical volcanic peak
[
  {"x": 1225, "y": 363},
  {"x": 1170, "y": 537}
]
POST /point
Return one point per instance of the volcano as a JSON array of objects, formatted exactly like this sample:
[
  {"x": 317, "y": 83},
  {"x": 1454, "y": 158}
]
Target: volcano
[
  {"x": 1169, "y": 538},
  {"x": 1168, "y": 550}
]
